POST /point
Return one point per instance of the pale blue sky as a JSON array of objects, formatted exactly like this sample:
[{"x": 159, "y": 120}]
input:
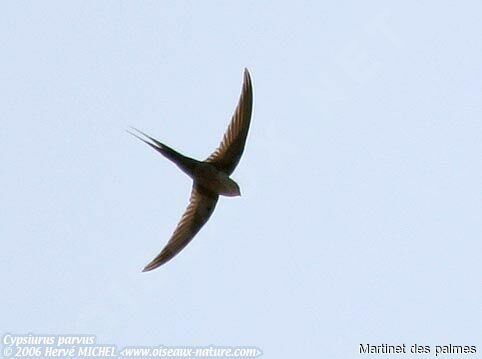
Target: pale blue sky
[{"x": 360, "y": 220}]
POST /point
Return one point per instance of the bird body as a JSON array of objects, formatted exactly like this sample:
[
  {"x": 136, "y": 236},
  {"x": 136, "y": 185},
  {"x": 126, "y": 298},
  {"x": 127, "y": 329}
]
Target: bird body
[{"x": 211, "y": 178}]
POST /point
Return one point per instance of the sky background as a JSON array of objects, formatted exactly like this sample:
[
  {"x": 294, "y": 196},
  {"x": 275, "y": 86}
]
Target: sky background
[{"x": 360, "y": 215}]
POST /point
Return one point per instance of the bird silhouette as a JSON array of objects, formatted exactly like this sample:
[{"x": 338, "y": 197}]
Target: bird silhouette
[{"x": 211, "y": 177}]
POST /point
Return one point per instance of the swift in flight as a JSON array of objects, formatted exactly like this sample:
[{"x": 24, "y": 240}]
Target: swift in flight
[{"x": 211, "y": 177}]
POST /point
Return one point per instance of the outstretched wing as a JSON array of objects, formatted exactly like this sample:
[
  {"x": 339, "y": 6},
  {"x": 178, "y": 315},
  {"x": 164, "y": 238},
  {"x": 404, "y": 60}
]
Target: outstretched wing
[
  {"x": 201, "y": 206},
  {"x": 229, "y": 152}
]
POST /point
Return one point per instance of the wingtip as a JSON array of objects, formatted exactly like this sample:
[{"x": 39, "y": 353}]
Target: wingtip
[
  {"x": 155, "y": 263},
  {"x": 247, "y": 77},
  {"x": 150, "y": 267}
]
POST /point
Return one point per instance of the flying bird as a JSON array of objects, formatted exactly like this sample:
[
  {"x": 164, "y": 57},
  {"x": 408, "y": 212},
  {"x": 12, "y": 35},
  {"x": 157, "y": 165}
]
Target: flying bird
[{"x": 211, "y": 177}]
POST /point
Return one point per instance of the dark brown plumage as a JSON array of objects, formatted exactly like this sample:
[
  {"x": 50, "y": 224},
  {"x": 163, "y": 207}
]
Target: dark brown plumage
[{"x": 210, "y": 177}]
